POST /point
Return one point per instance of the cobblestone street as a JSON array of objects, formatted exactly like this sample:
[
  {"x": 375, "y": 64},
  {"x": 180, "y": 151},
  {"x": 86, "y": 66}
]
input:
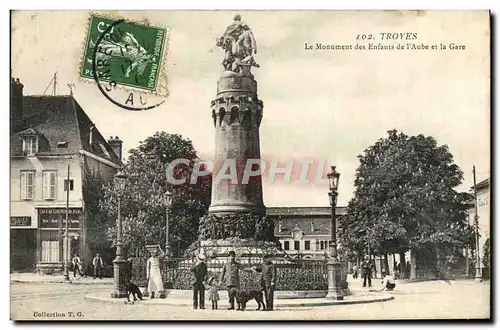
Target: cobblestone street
[{"x": 421, "y": 300}]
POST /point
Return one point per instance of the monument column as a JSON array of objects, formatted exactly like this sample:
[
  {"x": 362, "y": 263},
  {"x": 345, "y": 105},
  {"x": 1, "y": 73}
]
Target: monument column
[
  {"x": 237, "y": 210},
  {"x": 236, "y": 114}
]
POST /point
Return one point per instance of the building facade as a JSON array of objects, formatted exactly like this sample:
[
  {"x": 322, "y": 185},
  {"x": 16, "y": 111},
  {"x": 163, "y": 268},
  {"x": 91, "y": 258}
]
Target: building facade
[
  {"x": 304, "y": 231},
  {"x": 483, "y": 212},
  {"x": 55, "y": 150}
]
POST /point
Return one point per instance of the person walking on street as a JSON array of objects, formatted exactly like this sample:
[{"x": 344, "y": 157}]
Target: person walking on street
[
  {"x": 128, "y": 270},
  {"x": 355, "y": 272},
  {"x": 155, "y": 282},
  {"x": 199, "y": 271},
  {"x": 77, "y": 264},
  {"x": 366, "y": 267},
  {"x": 268, "y": 281},
  {"x": 230, "y": 274},
  {"x": 97, "y": 264}
]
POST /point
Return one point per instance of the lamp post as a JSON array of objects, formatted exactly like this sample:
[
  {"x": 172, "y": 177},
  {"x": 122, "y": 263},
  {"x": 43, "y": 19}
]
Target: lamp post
[
  {"x": 334, "y": 266},
  {"x": 168, "y": 203},
  {"x": 66, "y": 235},
  {"x": 120, "y": 181}
]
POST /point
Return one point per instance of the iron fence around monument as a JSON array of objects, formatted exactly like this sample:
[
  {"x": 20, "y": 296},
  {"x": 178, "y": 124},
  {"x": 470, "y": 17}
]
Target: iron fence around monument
[{"x": 292, "y": 275}]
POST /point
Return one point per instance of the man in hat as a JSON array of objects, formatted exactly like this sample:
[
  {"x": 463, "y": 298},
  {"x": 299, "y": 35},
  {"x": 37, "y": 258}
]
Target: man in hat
[
  {"x": 200, "y": 273},
  {"x": 268, "y": 281},
  {"x": 230, "y": 273},
  {"x": 98, "y": 265},
  {"x": 77, "y": 264},
  {"x": 366, "y": 268}
]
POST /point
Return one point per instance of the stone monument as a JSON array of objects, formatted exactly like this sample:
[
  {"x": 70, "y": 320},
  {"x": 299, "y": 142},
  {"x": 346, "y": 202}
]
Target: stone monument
[{"x": 236, "y": 218}]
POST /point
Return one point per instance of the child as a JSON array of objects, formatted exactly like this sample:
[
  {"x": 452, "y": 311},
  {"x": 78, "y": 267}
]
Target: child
[
  {"x": 213, "y": 294},
  {"x": 388, "y": 282}
]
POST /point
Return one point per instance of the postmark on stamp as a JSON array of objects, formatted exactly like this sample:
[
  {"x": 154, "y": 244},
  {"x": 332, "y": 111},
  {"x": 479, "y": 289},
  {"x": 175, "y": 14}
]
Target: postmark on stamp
[
  {"x": 126, "y": 60},
  {"x": 133, "y": 53}
]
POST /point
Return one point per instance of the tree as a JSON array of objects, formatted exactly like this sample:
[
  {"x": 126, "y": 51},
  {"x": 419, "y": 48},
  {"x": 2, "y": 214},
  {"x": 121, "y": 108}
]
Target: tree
[
  {"x": 405, "y": 198},
  {"x": 486, "y": 259},
  {"x": 143, "y": 202}
]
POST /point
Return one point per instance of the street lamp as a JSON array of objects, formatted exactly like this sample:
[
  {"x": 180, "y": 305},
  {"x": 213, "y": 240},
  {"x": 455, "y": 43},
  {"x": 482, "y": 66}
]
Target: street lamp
[
  {"x": 334, "y": 266},
  {"x": 168, "y": 203},
  {"x": 120, "y": 181}
]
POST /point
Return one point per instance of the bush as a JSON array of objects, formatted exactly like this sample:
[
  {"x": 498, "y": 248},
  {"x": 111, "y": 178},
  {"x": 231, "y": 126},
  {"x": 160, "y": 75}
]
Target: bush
[{"x": 486, "y": 259}]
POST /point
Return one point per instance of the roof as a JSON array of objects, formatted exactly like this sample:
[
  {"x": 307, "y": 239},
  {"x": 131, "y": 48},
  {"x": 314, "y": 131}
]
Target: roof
[
  {"x": 304, "y": 211},
  {"x": 58, "y": 119},
  {"x": 482, "y": 185},
  {"x": 308, "y": 220},
  {"x": 308, "y": 226}
]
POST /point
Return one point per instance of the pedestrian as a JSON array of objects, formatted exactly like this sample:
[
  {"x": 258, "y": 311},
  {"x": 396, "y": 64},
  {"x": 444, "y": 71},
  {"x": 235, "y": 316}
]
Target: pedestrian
[
  {"x": 77, "y": 264},
  {"x": 128, "y": 270},
  {"x": 199, "y": 271},
  {"x": 98, "y": 265},
  {"x": 388, "y": 282},
  {"x": 268, "y": 281},
  {"x": 366, "y": 268},
  {"x": 213, "y": 292},
  {"x": 355, "y": 272},
  {"x": 230, "y": 274},
  {"x": 155, "y": 282}
]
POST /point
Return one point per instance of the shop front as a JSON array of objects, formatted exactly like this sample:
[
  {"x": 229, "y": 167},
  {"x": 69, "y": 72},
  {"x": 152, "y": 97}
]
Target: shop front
[
  {"x": 53, "y": 247},
  {"x": 22, "y": 244}
]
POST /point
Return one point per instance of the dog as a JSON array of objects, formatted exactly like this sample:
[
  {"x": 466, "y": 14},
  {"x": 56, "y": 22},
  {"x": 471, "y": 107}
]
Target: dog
[
  {"x": 132, "y": 289},
  {"x": 244, "y": 296}
]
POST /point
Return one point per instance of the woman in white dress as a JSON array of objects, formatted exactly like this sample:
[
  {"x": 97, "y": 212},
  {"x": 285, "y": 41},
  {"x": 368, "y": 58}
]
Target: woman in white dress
[{"x": 155, "y": 282}]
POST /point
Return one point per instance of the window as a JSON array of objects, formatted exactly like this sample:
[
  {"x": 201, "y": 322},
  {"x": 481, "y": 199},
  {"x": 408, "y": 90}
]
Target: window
[
  {"x": 307, "y": 245},
  {"x": 296, "y": 245},
  {"x": 322, "y": 245},
  {"x": 63, "y": 144},
  {"x": 66, "y": 184},
  {"x": 29, "y": 145},
  {"x": 27, "y": 184},
  {"x": 280, "y": 229},
  {"x": 317, "y": 245},
  {"x": 49, "y": 184},
  {"x": 50, "y": 246},
  {"x": 287, "y": 245}
]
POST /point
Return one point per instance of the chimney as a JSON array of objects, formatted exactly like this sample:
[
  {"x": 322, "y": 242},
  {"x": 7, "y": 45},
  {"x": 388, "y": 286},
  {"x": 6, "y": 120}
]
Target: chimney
[
  {"x": 116, "y": 144},
  {"x": 16, "y": 102}
]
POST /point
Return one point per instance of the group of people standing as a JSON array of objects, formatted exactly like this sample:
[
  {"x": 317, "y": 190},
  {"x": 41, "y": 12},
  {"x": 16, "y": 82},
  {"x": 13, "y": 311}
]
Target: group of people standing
[
  {"x": 366, "y": 268},
  {"x": 231, "y": 277},
  {"x": 97, "y": 265}
]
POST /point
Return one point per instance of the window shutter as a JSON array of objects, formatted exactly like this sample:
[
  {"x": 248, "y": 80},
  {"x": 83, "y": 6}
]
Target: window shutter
[
  {"x": 23, "y": 185},
  {"x": 46, "y": 185},
  {"x": 29, "y": 185},
  {"x": 52, "y": 184}
]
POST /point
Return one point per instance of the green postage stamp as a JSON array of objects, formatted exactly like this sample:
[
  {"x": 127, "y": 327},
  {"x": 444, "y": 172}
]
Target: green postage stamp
[{"x": 125, "y": 53}]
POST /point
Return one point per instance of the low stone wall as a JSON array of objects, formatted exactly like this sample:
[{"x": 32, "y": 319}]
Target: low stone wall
[{"x": 277, "y": 294}]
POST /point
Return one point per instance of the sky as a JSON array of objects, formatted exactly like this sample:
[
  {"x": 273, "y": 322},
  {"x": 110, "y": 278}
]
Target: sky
[{"x": 318, "y": 104}]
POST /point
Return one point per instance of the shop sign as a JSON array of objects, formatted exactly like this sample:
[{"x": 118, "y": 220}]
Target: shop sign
[
  {"x": 56, "y": 218},
  {"x": 20, "y": 221}
]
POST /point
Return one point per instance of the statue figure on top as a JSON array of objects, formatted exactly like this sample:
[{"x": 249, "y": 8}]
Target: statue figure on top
[{"x": 239, "y": 45}]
